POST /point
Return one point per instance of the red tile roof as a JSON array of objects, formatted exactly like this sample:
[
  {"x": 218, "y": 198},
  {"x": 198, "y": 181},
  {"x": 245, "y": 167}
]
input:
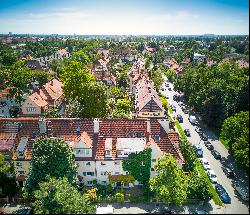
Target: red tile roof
[{"x": 66, "y": 128}]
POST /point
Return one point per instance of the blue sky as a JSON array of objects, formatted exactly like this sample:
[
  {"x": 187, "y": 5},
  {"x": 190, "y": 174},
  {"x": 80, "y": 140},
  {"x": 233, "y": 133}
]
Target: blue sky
[{"x": 163, "y": 17}]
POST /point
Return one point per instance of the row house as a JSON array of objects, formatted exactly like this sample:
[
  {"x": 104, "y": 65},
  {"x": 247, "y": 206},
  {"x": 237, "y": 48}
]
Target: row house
[
  {"x": 100, "y": 145},
  {"x": 8, "y": 103},
  {"x": 101, "y": 72},
  {"x": 42, "y": 63},
  {"x": 147, "y": 102},
  {"x": 171, "y": 63},
  {"x": 50, "y": 95}
]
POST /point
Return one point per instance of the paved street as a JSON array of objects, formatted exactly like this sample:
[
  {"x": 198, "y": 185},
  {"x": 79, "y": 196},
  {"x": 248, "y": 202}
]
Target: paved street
[{"x": 237, "y": 205}]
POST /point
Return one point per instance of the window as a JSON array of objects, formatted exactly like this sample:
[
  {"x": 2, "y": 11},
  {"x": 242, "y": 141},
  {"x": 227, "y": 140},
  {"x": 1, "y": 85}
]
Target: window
[
  {"x": 89, "y": 182},
  {"x": 31, "y": 109},
  {"x": 157, "y": 138},
  {"x": 21, "y": 172},
  {"x": 119, "y": 153},
  {"x": 84, "y": 173},
  {"x": 18, "y": 163},
  {"x": 90, "y": 173},
  {"x": 87, "y": 151},
  {"x": 132, "y": 134},
  {"x": 153, "y": 160},
  {"x": 139, "y": 134},
  {"x": 117, "y": 173},
  {"x": 107, "y": 152},
  {"x": 88, "y": 164}
]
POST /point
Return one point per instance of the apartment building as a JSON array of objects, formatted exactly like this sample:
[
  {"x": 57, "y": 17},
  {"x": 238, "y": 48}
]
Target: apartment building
[{"x": 99, "y": 145}]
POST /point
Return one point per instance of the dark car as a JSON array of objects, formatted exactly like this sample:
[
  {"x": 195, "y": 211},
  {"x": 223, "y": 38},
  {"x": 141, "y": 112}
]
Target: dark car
[
  {"x": 222, "y": 193},
  {"x": 187, "y": 132},
  {"x": 173, "y": 108},
  {"x": 169, "y": 89},
  {"x": 179, "y": 118},
  {"x": 198, "y": 130},
  {"x": 186, "y": 111},
  {"x": 204, "y": 136},
  {"x": 229, "y": 173},
  {"x": 216, "y": 154},
  {"x": 24, "y": 211},
  {"x": 175, "y": 97},
  {"x": 209, "y": 145}
]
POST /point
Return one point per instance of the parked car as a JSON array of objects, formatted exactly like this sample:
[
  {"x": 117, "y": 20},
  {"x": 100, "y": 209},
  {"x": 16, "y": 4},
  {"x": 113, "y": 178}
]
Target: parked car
[
  {"x": 173, "y": 107},
  {"x": 222, "y": 193},
  {"x": 187, "y": 132},
  {"x": 175, "y": 97},
  {"x": 199, "y": 150},
  {"x": 167, "y": 85},
  {"x": 200, "y": 211},
  {"x": 243, "y": 192},
  {"x": 192, "y": 119},
  {"x": 216, "y": 154},
  {"x": 186, "y": 111},
  {"x": 204, "y": 136},
  {"x": 162, "y": 89},
  {"x": 25, "y": 211},
  {"x": 179, "y": 118},
  {"x": 198, "y": 130},
  {"x": 212, "y": 176},
  {"x": 169, "y": 89},
  {"x": 206, "y": 167},
  {"x": 203, "y": 161},
  {"x": 229, "y": 173},
  {"x": 209, "y": 145}
]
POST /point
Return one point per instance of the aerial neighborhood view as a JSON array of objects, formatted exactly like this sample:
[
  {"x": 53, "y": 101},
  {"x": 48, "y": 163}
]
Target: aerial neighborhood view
[{"x": 124, "y": 107}]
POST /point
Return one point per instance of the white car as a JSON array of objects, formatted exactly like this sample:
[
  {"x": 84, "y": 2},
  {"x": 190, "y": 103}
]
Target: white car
[
  {"x": 204, "y": 161},
  {"x": 206, "y": 167},
  {"x": 212, "y": 176}
]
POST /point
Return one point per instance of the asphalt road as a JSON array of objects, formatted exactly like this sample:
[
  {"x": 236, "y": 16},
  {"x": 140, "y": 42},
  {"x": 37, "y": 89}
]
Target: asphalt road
[{"x": 237, "y": 206}]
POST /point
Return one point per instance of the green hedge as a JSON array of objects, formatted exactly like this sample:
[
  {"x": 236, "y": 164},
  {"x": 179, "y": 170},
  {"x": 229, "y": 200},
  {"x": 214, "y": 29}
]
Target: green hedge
[
  {"x": 215, "y": 196},
  {"x": 181, "y": 132}
]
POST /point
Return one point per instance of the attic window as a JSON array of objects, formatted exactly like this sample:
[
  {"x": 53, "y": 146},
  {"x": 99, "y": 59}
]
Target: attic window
[
  {"x": 156, "y": 138},
  {"x": 132, "y": 134},
  {"x": 139, "y": 134}
]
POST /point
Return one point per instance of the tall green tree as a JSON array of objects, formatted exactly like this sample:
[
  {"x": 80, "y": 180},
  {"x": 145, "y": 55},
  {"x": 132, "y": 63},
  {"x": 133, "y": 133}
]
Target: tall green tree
[
  {"x": 235, "y": 134},
  {"x": 50, "y": 158},
  {"x": 170, "y": 184},
  {"x": 139, "y": 167},
  {"x": 189, "y": 153},
  {"x": 57, "y": 196}
]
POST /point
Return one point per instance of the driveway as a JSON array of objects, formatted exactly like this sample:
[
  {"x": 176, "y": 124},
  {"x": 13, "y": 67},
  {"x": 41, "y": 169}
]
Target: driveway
[{"x": 237, "y": 205}]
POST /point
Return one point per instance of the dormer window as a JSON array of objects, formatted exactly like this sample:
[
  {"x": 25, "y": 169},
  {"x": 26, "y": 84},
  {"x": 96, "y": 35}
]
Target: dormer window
[
  {"x": 139, "y": 134},
  {"x": 157, "y": 138},
  {"x": 132, "y": 134}
]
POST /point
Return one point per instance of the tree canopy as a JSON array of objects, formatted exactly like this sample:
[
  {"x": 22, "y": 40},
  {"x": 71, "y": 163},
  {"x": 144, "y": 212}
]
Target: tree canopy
[
  {"x": 170, "y": 184},
  {"x": 57, "y": 196},
  {"x": 235, "y": 134},
  {"x": 50, "y": 158}
]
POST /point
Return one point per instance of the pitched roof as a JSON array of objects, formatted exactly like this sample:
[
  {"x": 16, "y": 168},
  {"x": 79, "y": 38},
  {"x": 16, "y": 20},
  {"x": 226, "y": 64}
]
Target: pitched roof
[{"x": 114, "y": 130}]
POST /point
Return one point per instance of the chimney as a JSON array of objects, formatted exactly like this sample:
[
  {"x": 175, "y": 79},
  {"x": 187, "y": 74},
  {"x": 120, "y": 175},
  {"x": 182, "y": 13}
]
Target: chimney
[
  {"x": 96, "y": 125},
  {"x": 42, "y": 126}
]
